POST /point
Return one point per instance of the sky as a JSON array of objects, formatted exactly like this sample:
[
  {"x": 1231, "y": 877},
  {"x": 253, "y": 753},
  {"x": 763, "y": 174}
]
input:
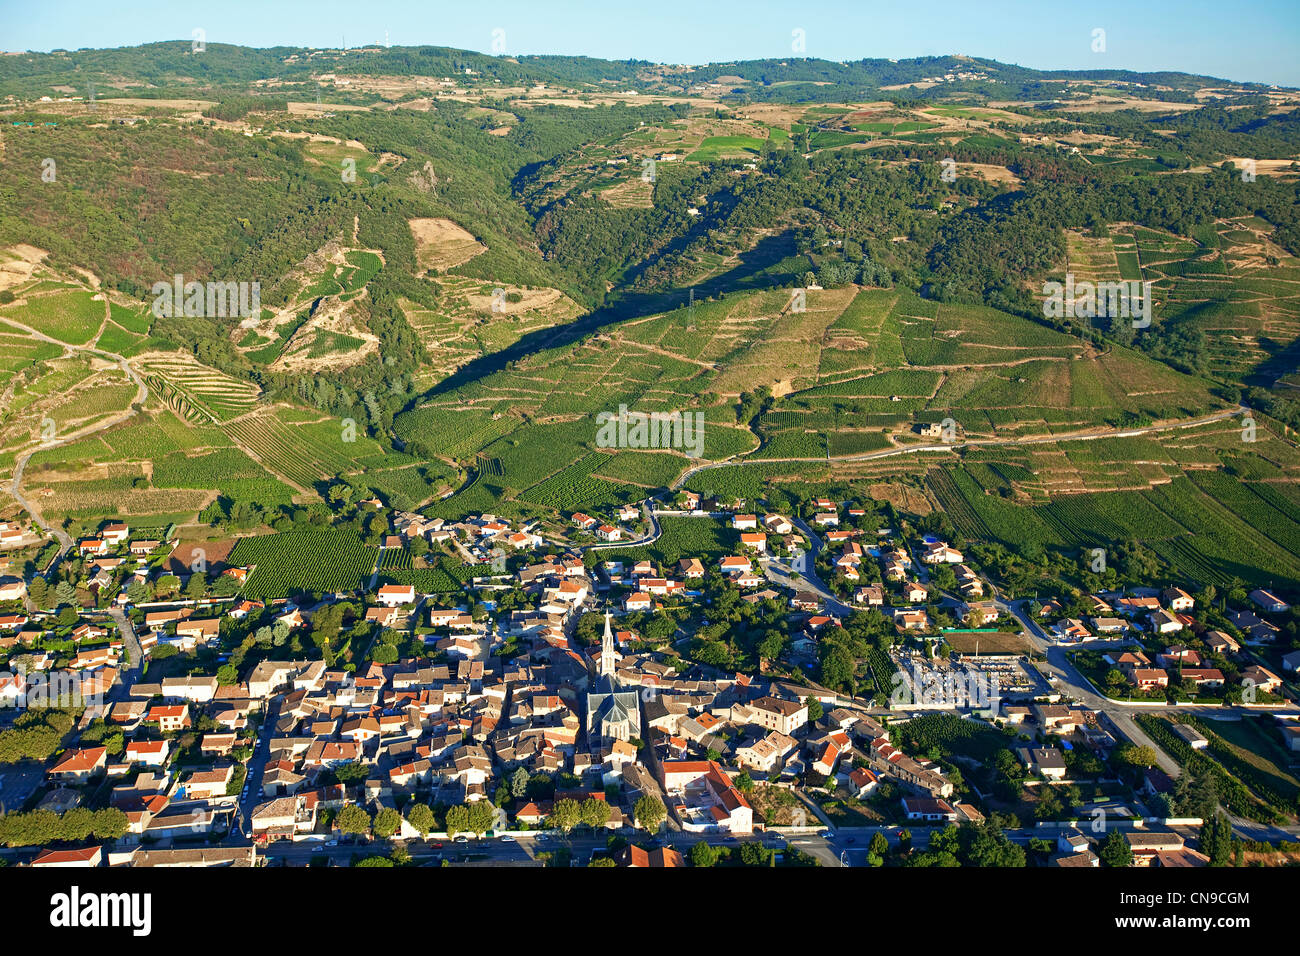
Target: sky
[{"x": 1257, "y": 41}]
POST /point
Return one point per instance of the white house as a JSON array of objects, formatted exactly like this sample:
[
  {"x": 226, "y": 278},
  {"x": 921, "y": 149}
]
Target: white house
[{"x": 392, "y": 595}]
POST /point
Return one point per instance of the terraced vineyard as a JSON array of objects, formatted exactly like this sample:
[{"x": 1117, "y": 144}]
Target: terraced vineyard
[
  {"x": 359, "y": 268},
  {"x": 195, "y": 391},
  {"x": 302, "y": 455}
]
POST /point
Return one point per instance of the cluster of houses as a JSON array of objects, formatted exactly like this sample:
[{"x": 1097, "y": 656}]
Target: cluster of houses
[
  {"x": 112, "y": 557},
  {"x": 899, "y": 592},
  {"x": 1160, "y": 613},
  {"x": 479, "y": 539},
  {"x": 1150, "y": 847},
  {"x": 1171, "y": 614},
  {"x": 160, "y": 800},
  {"x": 609, "y": 528}
]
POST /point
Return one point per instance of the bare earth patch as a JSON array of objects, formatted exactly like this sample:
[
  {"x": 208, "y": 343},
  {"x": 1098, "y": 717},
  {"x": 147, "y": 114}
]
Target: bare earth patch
[
  {"x": 441, "y": 244},
  {"x": 18, "y": 264}
]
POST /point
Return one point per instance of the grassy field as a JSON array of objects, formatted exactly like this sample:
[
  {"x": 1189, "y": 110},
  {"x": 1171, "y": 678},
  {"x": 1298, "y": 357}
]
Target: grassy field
[{"x": 715, "y": 148}]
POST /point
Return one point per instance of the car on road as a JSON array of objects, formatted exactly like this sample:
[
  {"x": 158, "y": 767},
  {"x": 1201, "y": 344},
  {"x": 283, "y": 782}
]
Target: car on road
[
  {"x": 850, "y": 840},
  {"x": 508, "y": 839},
  {"x": 461, "y": 839}
]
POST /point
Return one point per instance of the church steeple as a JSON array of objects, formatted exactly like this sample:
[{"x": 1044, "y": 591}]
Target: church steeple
[{"x": 608, "y": 657}]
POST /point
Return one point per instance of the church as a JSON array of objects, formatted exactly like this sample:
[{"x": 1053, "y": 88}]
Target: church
[{"x": 612, "y": 714}]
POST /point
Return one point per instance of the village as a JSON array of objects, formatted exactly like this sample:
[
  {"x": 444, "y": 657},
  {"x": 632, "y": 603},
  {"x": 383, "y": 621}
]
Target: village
[{"x": 531, "y": 706}]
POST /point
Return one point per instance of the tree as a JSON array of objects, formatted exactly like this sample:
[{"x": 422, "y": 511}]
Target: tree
[
  {"x": 196, "y": 586},
  {"x": 225, "y": 586},
  {"x": 387, "y": 822},
  {"x": 595, "y": 813},
  {"x": 65, "y": 593},
  {"x": 879, "y": 845},
  {"x": 989, "y": 846},
  {"x": 649, "y": 813},
  {"x": 353, "y": 772},
  {"x": 836, "y": 666},
  {"x": 458, "y": 820},
  {"x": 482, "y": 815},
  {"x": 771, "y": 646},
  {"x": 421, "y": 817},
  {"x": 1135, "y": 756},
  {"x": 1203, "y": 795},
  {"x": 1115, "y": 851},
  {"x": 353, "y": 820},
  {"x": 702, "y": 854},
  {"x": 39, "y": 591},
  {"x": 815, "y": 710},
  {"x": 566, "y": 814},
  {"x": 753, "y": 853},
  {"x": 1216, "y": 839},
  {"x": 946, "y": 840},
  {"x": 519, "y": 783},
  {"x": 400, "y": 856}
]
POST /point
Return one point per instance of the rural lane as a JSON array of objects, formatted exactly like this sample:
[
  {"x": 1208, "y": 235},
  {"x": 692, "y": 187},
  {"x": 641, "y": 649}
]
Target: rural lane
[
  {"x": 1085, "y": 435},
  {"x": 20, "y": 464}
]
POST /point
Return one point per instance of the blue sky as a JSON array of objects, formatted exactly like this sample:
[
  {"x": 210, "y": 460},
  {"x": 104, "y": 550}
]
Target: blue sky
[{"x": 1258, "y": 41}]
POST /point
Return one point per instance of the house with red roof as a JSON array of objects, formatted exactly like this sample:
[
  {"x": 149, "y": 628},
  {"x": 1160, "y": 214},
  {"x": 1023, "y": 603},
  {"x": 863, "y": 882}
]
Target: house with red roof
[
  {"x": 78, "y": 766},
  {"x": 86, "y": 856}
]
